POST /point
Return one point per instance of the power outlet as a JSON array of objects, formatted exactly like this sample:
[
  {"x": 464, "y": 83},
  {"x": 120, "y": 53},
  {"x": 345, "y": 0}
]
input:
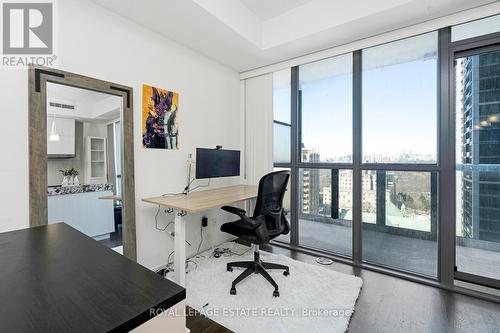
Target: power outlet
[{"x": 204, "y": 221}]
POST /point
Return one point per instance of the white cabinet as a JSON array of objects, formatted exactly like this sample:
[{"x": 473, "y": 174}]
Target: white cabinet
[
  {"x": 83, "y": 211},
  {"x": 96, "y": 171},
  {"x": 66, "y": 130}
]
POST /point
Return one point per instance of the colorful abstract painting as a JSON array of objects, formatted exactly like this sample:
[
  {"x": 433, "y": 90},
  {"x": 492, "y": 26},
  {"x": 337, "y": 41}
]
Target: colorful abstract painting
[{"x": 160, "y": 129}]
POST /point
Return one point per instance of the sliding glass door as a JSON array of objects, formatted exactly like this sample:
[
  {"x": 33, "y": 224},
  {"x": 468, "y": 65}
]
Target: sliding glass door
[{"x": 477, "y": 131}]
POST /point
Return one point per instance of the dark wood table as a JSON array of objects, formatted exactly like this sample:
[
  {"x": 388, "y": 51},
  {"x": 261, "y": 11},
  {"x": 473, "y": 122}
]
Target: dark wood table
[{"x": 55, "y": 279}]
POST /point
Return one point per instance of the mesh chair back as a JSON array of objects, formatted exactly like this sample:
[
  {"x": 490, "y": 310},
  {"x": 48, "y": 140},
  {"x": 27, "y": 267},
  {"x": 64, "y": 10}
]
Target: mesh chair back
[{"x": 272, "y": 189}]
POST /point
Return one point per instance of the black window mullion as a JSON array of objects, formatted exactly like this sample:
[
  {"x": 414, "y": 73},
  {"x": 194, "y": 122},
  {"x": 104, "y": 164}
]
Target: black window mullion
[
  {"x": 356, "y": 160},
  {"x": 295, "y": 157},
  {"x": 434, "y": 205},
  {"x": 334, "y": 202},
  {"x": 446, "y": 195},
  {"x": 381, "y": 190}
]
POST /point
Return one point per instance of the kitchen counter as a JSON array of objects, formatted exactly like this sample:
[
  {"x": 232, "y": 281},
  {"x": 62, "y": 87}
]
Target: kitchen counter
[
  {"x": 80, "y": 207},
  {"x": 74, "y": 189}
]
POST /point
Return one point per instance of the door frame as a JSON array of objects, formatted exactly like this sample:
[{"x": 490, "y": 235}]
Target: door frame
[
  {"x": 460, "y": 49},
  {"x": 37, "y": 122}
]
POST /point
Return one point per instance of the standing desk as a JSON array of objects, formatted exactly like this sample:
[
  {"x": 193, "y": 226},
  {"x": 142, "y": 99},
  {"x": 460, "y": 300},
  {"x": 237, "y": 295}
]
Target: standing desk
[{"x": 195, "y": 202}]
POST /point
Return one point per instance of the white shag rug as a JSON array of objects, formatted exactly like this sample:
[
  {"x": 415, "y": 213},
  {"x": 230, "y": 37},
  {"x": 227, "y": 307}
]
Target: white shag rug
[{"x": 312, "y": 299}]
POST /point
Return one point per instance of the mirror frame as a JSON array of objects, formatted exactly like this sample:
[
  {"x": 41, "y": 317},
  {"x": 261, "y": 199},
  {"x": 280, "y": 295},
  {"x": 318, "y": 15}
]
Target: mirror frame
[{"x": 37, "y": 122}]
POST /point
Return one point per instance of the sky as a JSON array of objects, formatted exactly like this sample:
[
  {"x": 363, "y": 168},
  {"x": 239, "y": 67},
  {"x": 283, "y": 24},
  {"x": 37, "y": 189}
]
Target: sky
[{"x": 399, "y": 111}]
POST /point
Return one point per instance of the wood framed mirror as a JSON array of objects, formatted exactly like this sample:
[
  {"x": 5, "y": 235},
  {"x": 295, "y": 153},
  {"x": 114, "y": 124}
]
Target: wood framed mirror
[{"x": 65, "y": 136}]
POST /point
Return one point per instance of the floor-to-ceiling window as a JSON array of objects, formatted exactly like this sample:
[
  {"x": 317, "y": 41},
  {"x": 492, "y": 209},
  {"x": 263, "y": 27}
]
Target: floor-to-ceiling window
[
  {"x": 281, "y": 116},
  {"x": 282, "y": 133},
  {"x": 369, "y": 139},
  {"x": 476, "y": 84},
  {"x": 399, "y": 127},
  {"x": 477, "y": 132},
  {"x": 325, "y": 142}
]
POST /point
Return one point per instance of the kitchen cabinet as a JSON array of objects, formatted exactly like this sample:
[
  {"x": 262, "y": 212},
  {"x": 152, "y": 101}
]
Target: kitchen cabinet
[
  {"x": 96, "y": 171},
  {"x": 84, "y": 211},
  {"x": 65, "y": 147}
]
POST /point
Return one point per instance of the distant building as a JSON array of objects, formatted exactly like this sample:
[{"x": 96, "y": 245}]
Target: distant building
[
  {"x": 369, "y": 191},
  {"x": 309, "y": 178},
  {"x": 480, "y": 150},
  {"x": 327, "y": 195},
  {"x": 345, "y": 189}
]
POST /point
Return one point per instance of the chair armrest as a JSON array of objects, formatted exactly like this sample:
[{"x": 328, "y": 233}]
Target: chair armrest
[
  {"x": 254, "y": 222},
  {"x": 257, "y": 223},
  {"x": 260, "y": 228},
  {"x": 234, "y": 210}
]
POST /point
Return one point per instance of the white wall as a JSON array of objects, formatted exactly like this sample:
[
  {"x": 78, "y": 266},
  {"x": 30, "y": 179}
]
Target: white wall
[
  {"x": 95, "y": 42},
  {"x": 13, "y": 149}
]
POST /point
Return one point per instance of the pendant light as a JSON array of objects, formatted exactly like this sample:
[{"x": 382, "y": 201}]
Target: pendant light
[{"x": 54, "y": 136}]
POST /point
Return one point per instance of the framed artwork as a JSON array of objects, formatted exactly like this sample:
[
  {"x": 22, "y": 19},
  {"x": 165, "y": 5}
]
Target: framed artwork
[{"x": 160, "y": 128}]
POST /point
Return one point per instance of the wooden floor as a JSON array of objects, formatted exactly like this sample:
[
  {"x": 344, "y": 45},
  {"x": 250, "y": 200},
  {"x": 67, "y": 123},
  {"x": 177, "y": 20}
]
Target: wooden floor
[
  {"x": 390, "y": 304},
  {"x": 198, "y": 323},
  {"x": 115, "y": 239}
]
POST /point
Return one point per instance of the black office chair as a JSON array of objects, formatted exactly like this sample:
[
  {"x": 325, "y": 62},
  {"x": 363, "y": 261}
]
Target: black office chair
[{"x": 268, "y": 222}]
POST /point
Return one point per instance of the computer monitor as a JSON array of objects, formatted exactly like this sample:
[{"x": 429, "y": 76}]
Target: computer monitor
[{"x": 214, "y": 163}]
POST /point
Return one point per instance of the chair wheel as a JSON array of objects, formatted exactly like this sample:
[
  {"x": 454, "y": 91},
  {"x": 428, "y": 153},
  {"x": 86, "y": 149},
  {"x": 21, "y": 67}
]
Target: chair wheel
[
  {"x": 229, "y": 269},
  {"x": 232, "y": 291},
  {"x": 286, "y": 273},
  {"x": 276, "y": 293}
]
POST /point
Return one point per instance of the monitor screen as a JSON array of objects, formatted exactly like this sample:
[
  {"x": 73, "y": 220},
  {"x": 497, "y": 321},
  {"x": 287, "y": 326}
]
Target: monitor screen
[{"x": 213, "y": 163}]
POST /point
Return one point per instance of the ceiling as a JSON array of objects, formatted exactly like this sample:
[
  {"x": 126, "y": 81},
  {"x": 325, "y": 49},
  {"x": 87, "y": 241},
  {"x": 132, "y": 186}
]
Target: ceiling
[
  {"x": 247, "y": 34},
  {"x": 74, "y": 95},
  {"x": 90, "y": 105},
  {"x": 267, "y": 9}
]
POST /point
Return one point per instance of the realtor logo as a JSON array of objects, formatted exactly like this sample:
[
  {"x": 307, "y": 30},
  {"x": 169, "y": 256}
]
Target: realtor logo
[
  {"x": 27, "y": 28},
  {"x": 28, "y": 33}
]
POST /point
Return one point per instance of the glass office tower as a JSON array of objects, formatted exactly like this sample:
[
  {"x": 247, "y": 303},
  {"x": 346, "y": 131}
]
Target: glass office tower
[{"x": 480, "y": 147}]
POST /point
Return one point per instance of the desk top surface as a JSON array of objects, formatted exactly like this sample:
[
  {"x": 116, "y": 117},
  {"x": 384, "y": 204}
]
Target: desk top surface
[
  {"x": 204, "y": 200},
  {"x": 111, "y": 197},
  {"x": 56, "y": 279}
]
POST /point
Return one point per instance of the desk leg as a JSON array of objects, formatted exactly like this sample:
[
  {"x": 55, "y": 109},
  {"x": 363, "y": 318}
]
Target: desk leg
[
  {"x": 180, "y": 248},
  {"x": 249, "y": 204}
]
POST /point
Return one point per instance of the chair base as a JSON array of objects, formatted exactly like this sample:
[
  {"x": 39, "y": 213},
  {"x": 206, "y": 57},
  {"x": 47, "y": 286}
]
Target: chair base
[{"x": 256, "y": 267}]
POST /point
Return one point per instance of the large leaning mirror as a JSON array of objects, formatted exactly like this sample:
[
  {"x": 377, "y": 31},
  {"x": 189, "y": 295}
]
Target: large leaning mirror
[{"x": 81, "y": 157}]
